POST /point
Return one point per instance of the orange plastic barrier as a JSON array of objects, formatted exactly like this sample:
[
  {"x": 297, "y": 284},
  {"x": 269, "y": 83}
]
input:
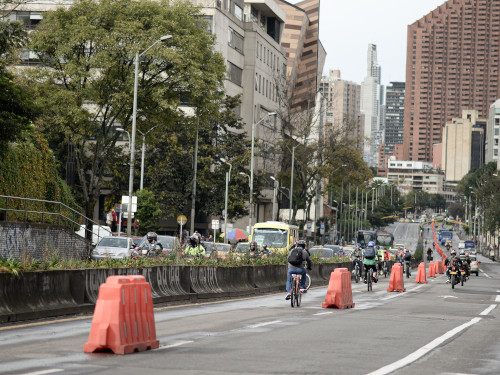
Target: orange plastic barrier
[
  {"x": 396, "y": 283},
  {"x": 339, "y": 292},
  {"x": 439, "y": 267},
  {"x": 123, "y": 317},
  {"x": 421, "y": 274},
  {"x": 432, "y": 269}
]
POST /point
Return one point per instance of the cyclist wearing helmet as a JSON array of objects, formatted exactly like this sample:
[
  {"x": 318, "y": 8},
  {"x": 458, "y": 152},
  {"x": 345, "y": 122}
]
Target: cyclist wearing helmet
[
  {"x": 407, "y": 259},
  {"x": 193, "y": 248},
  {"x": 370, "y": 260},
  {"x": 298, "y": 258},
  {"x": 356, "y": 256}
]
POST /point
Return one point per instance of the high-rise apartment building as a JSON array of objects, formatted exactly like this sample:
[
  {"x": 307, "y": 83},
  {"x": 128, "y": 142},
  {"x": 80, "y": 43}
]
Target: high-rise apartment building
[
  {"x": 371, "y": 104},
  {"x": 493, "y": 133},
  {"x": 343, "y": 105},
  {"x": 452, "y": 63},
  {"x": 394, "y": 115}
]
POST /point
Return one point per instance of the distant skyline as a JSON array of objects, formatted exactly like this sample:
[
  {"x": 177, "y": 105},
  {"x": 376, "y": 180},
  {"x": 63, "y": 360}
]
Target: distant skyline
[{"x": 347, "y": 27}]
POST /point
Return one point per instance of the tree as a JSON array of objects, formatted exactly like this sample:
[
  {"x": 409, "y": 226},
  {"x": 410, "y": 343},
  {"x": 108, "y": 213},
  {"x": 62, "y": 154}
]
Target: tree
[
  {"x": 148, "y": 212},
  {"x": 86, "y": 79}
]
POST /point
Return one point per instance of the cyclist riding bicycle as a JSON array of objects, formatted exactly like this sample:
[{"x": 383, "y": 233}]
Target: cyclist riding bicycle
[
  {"x": 429, "y": 254},
  {"x": 370, "y": 261},
  {"x": 399, "y": 256},
  {"x": 387, "y": 259},
  {"x": 298, "y": 258},
  {"x": 356, "y": 256},
  {"x": 407, "y": 259}
]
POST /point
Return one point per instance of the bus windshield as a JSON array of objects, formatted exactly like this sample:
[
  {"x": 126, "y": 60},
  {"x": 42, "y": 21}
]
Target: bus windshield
[
  {"x": 270, "y": 237},
  {"x": 385, "y": 239},
  {"x": 365, "y": 236}
]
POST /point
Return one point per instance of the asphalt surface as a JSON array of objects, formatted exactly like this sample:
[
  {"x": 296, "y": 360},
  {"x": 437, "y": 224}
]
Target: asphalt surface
[{"x": 429, "y": 329}]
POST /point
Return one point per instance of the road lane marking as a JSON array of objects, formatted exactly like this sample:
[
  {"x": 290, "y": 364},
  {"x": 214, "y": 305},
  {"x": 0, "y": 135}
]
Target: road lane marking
[
  {"x": 419, "y": 353},
  {"x": 174, "y": 345},
  {"x": 488, "y": 310},
  {"x": 43, "y": 372},
  {"x": 497, "y": 299},
  {"x": 324, "y": 313},
  {"x": 485, "y": 274},
  {"x": 265, "y": 324}
]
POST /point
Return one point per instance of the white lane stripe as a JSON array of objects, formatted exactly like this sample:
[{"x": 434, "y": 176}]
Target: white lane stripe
[
  {"x": 324, "y": 313},
  {"x": 174, "y": 345},
  {"x": 43, "y": 372},
  {"x": 497, "y": 298},
  {"x": 423, "y": 350},
  {"x": 485, "y": 274},
  {"x": 265, "y": 324},
  {"x": 488, "y": 310}
]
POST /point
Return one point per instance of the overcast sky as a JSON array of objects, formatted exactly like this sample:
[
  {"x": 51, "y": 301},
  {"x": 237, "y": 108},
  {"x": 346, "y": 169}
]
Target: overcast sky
[{"x": 348, "y": 26}]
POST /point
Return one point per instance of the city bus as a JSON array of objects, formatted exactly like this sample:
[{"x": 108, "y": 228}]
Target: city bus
[
  {"x": 365, "y": 236},
  {"x": 445, "y": 235},
  {"x": 277, "y": 236},
  {"x": 384, "y": 239}
]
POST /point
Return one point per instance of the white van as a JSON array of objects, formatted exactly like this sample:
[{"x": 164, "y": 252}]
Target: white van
[
  {"x": 461, "y": 245},
  {"x": 98, "y": 232}
]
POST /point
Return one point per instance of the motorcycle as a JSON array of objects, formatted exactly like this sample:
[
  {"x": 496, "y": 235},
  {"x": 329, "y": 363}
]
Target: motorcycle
[
  {"x": 453, "y": 276},
  {"x": 492, "y": 254},
  {"x": 430, "y": 258}
]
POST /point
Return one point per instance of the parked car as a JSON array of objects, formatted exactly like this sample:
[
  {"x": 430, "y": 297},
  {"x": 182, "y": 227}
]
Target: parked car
[
  {"x": 113, "y": 247},
  {"x": 169, "y": 243},
  {"x": 322, "y": 253},
  {"x": 210, "y": 249},
  {"x": 336, "y": 248},
  {"x": 474, "y": 265},
  {"x": 98, "y": 232}
]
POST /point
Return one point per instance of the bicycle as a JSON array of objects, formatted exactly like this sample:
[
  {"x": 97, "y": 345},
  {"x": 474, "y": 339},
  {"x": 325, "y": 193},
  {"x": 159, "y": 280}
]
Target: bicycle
[
  {"x": 308, "y": 282},
  {"x": 407, "y": 266},
  {"x": 295, "y": 293},
  {"x": 357, "y": 272},
  {"x": 369, "y": 282},
  {"x": 385, "y": 268}
]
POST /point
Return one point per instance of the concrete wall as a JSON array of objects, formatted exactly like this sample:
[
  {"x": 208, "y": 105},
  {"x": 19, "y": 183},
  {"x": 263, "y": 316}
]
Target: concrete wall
[
  {"x": 34, "y": 295},
  {"x": 18, "y": 240}
]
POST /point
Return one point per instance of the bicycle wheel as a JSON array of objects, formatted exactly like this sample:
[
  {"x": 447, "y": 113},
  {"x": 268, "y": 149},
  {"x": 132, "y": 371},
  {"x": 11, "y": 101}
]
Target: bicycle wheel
[
  {"x": 292, "y": 292},
  {"x": 356, "y": 276},
  {"x": 385, "y": 270},
  {"x": 369, "y": 279},
  {"x": 408, "y": 271},
  {"x": 308, "y": 281},
  {"x": 299, "y": 297}
]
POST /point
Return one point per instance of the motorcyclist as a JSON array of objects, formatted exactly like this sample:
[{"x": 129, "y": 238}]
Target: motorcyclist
[
  {"x": 454, "y": 260},
  {"x": 254, "y": 250},
  {"x": 265, "y": 250},
  {"x": 193, "y": 248},
  {"x": 152, "y": 246},
  {"x": 466, "y": 264},
  {"x": 429, "y": 254},
  {"x": 356, "y": 256},
  {"x": 298, "y": 269}
]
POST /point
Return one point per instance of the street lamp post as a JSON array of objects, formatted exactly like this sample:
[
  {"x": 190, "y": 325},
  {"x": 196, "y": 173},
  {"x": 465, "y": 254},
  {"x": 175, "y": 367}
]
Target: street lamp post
[
  {"x": 275, "y": 191},
  {"x": 228, "y": 177},
  {"x": 141, "y": 186},
  {"x": 134, "y": 126},
  {"x": 251, "y": 167},
  {"x": 291, "y": 186}
]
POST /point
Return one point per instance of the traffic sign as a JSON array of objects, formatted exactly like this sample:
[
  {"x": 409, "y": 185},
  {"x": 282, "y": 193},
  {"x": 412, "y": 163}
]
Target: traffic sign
[
  {"x": 215, "y": 224},
  {"x": 181, "y": 219},
  {"x": 309, "y": 225}
]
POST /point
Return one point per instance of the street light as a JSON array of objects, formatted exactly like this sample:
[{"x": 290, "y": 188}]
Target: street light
[
  {"x": 291, "y": 187},
  {"x": 251, "y": 167},
  {"x": 228, "y": 177},
  {"x": 275, "y": 188},
  {"x": 134, "y": 120},
  {"x": 141, "y": 186}
]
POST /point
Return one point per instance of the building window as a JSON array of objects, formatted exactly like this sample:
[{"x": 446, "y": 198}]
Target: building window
[
  {"x": 207, "y": 25},
  {"x": 228, "y": 5},
  {"x": 235, "y": 41},
  {"x": 255, "y": 13},
  {"x": 235, "y": 74},
  {"x": 238, "y": 12},
  {"x": 262, "y": 21},
  {"x": 256, "y": 82}
]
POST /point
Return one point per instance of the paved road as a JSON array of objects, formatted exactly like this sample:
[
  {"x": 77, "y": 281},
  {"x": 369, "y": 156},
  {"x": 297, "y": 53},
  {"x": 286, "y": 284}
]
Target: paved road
[{"x": 429, "y": 329}]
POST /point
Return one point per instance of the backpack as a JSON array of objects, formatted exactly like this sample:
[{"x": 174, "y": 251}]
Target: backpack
[
  {"x": 370, "y": 253},
  {"x": 295, "y": 257},
  {"x": 408, "y": 256}
]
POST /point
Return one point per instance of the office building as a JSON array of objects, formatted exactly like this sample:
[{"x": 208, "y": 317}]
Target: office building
[
  {"x": 452, "y": 63},
  {"x": 492, "y": 133}
]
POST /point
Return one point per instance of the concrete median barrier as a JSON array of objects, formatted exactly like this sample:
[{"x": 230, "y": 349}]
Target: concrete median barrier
[{"x": 33, "y": 295}]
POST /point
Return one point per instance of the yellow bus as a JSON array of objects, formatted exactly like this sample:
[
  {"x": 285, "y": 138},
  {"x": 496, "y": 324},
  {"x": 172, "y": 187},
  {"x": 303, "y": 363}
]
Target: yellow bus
[{"x": 277, "y": 236}]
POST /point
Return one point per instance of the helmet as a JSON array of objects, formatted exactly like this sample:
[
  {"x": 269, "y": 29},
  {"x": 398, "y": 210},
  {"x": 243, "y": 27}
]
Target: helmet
[
  {"x": 253, "y": 245},
  {"x": 193, "y": 239},
  {"x": 302, "y": 244},
  {"x": 466, "y": 254},
  {"x": 406, "y": 250},
  {"x": 371, "y": 244},
  {"x": 358, "y": 245},
  {"x": 152, "y": 236}
]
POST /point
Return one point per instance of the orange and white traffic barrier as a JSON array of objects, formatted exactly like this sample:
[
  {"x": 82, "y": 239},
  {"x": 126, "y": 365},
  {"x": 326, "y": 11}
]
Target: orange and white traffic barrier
[{"x": 339, "y": 292}]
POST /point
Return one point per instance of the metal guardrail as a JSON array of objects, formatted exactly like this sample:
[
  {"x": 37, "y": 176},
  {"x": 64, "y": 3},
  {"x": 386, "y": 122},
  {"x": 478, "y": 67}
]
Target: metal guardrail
[{"x": 31, "y": 210}]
